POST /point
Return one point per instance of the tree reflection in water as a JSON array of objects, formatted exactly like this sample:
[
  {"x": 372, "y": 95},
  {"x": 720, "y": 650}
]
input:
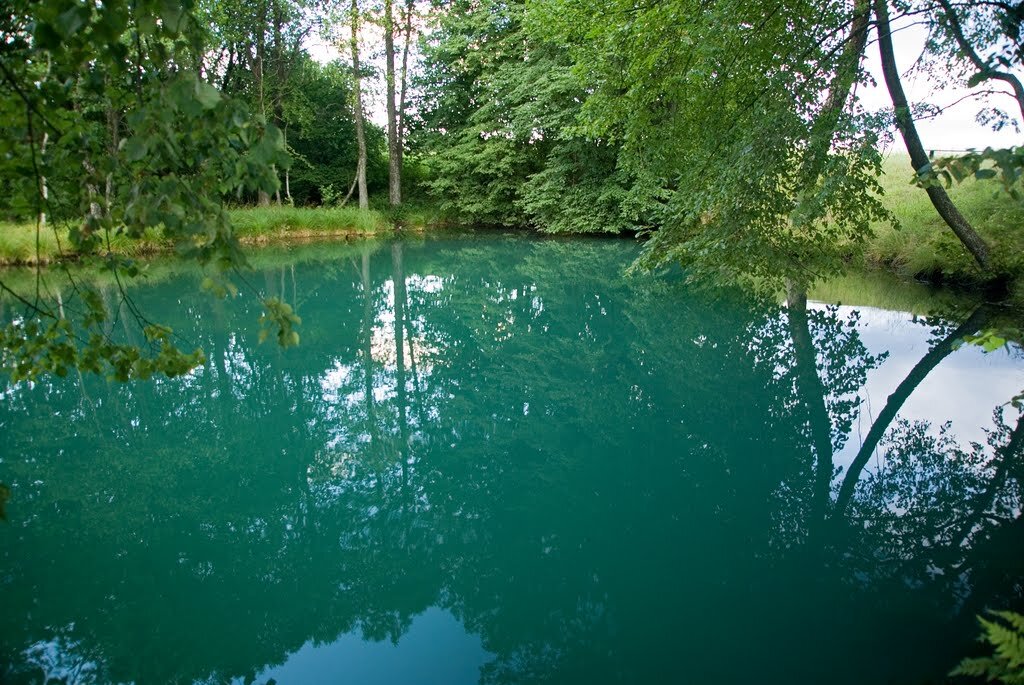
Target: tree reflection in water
[{"x": 606, "y": 478}]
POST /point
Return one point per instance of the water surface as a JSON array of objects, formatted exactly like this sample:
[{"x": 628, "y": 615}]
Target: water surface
[{"x": 503, "y": 461}]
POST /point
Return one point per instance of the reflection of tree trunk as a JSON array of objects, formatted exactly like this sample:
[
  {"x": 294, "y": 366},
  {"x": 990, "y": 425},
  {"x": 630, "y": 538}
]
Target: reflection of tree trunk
[
  {"x": 417, "y": 394},
  {"x": 898, "y": 397},
  {"x": 812, "y": 392},
  {"x": 219, "y": 358},
  {"x": 398, "y": 277},
  {"x": 918, "y": 157},
  {"x": 371, "y": 412}
]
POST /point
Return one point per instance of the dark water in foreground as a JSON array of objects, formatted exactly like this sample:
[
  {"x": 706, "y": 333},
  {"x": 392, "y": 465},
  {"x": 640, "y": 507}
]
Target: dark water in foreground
[{"x": 505, "y": 462}]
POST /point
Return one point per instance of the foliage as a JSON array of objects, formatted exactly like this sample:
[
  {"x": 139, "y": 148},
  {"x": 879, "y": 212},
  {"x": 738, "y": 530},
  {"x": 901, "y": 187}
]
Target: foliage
[
  {"x": 723, "y": 105},
  {"x": 114, "y": 134},
  {"x": 1005, "y": 166},
  {"x": 1005, "y": 633},
  {"x": 320, "y": 125},
  {"x": 268, "y": 222},
  {"x": 497, "y": 127}
]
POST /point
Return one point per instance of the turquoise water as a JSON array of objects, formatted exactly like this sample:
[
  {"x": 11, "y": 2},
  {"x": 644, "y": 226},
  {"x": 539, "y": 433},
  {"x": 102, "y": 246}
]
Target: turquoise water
[{"x": 503, "y": 461}]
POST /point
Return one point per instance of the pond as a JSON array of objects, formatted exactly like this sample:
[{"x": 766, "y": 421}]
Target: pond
[{"x": 502, "y": 460}]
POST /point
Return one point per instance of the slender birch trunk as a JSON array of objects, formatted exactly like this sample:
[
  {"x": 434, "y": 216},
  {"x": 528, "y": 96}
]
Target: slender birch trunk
[
  {"x": 364, "y": 202},
  {"x": 394, "y": 157}
]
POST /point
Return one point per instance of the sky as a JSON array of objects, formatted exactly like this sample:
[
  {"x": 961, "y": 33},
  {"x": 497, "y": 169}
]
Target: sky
[{"x": 954, "y": 130}]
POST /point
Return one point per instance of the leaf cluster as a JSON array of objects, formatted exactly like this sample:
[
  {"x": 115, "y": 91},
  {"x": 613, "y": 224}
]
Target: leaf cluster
[
  {"x": 116, "y": 135},
  {"x": 1004, "y": 632}
]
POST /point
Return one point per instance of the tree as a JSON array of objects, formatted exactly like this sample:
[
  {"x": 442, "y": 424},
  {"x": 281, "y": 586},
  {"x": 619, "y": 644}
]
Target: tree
[
  {"x": 357, "y": 93},
  {"x": 394, "y": 138},
  {"x": 739, "y": 117},
  {"x": 905, "y": 121},
  {"x": 497, "y": 126},
  {"x": 168, "y": 151}
]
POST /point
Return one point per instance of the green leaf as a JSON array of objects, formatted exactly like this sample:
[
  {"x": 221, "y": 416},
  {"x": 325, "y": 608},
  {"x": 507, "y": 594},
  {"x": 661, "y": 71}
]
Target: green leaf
[
  {"x": 976, "y": 79},
  {"x": 172, "y": 14},
  {"x": 207, "y": 95},
  {"x": 71, "y": 21},
  {"x": 134, "y": 148}
]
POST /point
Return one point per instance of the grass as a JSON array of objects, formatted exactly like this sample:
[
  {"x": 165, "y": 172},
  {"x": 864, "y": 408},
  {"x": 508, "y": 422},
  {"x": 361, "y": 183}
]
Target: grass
[
  {"x": 924, "y": 247},
  {"x": 18, "y": 241},
  {"x": 56, "y": 279},
  {"x": 20, "y": 244},
  {"x": 267, "y": 223},
  {"x": 885, "y": 290}
]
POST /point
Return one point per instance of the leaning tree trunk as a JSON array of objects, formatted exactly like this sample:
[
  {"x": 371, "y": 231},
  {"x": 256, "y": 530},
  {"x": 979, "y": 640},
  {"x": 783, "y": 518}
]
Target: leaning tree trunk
[
  {"x": 812, "y": 394},
  {"x": 394, "y": 159},
  {"x": 918, "y": 158},
  {"x": 824, "y": 128},
  {"x": 364, "y": 202}
]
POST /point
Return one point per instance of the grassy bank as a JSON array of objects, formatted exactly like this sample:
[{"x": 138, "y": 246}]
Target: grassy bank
[
  {"x": 20, "y": 244},
  {"x": 924, "y": 247},
  {"x": 921, "y": 247}
]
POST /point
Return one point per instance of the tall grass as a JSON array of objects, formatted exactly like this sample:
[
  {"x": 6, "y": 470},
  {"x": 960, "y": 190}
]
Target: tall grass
[
  {"x": 271, "y": 222},
  {"x": 924, "y": 246},
  {"x": 19, "y": 243}
]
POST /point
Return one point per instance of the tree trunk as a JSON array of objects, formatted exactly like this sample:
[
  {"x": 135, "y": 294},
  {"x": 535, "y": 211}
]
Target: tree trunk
[
  {"x": 811, "y": 391},
  {"x": 824, "y": 128},
  {"x": 918, "y": 158},
  {"x": 364, "y": 202},
  {"x": 261, "y": 49},
  {"x": 114, "y": 129},
  {"x": 409, "y": 5},
  {"x": 229, "y": 69},
  {"x": 280, "y": 77},
  {"x": 44, "y": 190},
  {"x": 394, "y": 158}
]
